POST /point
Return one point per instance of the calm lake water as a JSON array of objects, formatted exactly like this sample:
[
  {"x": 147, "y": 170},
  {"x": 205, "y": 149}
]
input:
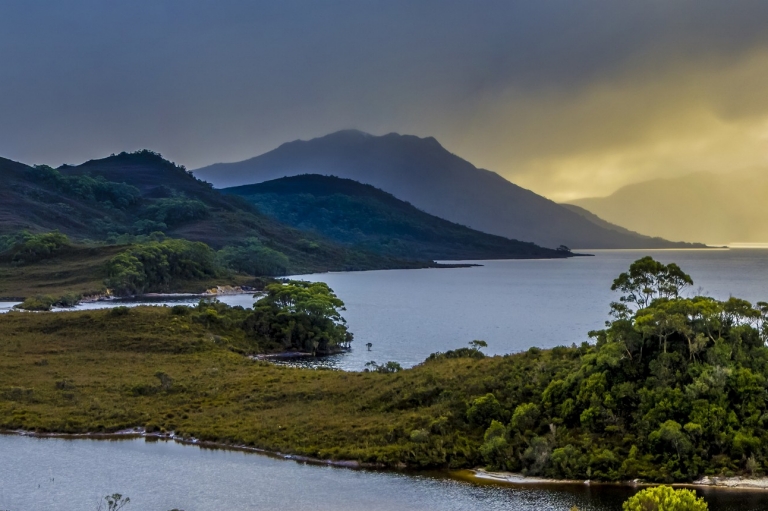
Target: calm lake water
[
  {"x": 71, "y": 475},
  {"x": 513, "y": 304},
  {"x": 510, "y": 304}
]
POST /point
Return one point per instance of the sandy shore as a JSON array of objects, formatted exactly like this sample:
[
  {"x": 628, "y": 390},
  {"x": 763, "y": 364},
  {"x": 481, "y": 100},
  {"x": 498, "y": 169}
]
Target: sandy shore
[{"x": 736, "y": 483}]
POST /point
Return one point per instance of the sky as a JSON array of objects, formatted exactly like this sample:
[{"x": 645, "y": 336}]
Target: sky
[{"x": 570, "y": 99}]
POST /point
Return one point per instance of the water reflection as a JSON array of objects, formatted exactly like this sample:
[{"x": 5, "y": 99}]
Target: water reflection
[{"x": 70, "y": 475}]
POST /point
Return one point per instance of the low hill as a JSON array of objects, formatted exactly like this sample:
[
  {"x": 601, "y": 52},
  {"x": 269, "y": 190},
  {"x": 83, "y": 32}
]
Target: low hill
[
  {"x": 118, "y": 198},
  {"x": 715, "y": 208},
  {"x": 363, "y": 216},
  {"x": 79, "y": 270},
  {"x": 52, "y": 269},
  {"x": 422, "y": 172}
]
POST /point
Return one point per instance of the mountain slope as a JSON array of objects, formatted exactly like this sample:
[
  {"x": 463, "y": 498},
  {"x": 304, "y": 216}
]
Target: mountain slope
[
  {"x": 138, "y": 193},
  {"x": 715, "y": 208},
  {"x": 365, "y": 217},
  {"x": 422, "y": 172},
  {"x": 602, "y": 223}
]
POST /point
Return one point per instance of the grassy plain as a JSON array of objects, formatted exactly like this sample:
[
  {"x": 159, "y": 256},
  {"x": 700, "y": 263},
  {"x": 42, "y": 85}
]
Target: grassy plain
[{"x": 95, "y": 371}]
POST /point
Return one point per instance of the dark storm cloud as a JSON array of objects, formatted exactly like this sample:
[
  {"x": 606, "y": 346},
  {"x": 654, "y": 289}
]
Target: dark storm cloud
[{"x": 532, "y": 89}]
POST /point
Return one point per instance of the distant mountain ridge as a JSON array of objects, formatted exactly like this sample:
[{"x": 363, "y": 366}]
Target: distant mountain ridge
[
  {"x": 368, "y": 218},
  {"x": 422, "y": 172},
  {"x": 715, "y": 208}
]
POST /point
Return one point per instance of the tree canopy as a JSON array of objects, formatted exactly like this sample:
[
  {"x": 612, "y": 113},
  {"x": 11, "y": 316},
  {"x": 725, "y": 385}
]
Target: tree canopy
[
  {"x": 154, "y": 265},
  {"x": 301, "y": 315},
  {"x": 665, "y": 498},
  {"x": 674, "y": 388}
]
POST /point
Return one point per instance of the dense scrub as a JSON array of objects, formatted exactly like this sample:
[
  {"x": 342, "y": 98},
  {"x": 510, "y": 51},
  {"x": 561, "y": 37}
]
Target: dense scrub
[
  {"x": 26, "y": 248},
  {"x": 49, "y": 269},
  {"x": 157, "y": 265},
  {"x": 44, "y": 263},
  {"x": 254, "y": 258},
  {"x": 674, "y": 387},
  {"x": 90, "y": 189}
]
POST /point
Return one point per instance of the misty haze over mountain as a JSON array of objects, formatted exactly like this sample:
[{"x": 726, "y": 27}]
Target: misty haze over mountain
[{"x": 712, "y": 208}]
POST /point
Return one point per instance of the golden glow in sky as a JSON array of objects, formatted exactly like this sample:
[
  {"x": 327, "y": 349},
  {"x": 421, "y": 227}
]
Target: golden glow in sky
[{"x": 646, "y": 121}]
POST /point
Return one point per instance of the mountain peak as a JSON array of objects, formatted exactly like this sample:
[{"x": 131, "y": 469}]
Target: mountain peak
[
  {"x": 144, "y": 169},
  {"x": 348, "y": 137},
  {"x": 140, "y": 157},
  {"x": 420, "y": 171}
]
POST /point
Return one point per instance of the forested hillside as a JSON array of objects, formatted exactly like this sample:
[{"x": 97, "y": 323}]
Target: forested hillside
[
  {"x": 425, "y": 174},
  {"x": 125, "y": 198},
  {"x": 365, "y": 217}
]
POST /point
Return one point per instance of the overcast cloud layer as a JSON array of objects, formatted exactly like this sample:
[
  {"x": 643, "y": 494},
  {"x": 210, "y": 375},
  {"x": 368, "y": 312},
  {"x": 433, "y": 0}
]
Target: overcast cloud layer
[{"x": 570, "y": 99}]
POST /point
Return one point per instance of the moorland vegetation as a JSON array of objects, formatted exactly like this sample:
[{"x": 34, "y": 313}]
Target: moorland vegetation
[
  {"x": 672, "y": 389},
  {"x": 139, "y": 198},
  {"x": 50, "y": 269}
]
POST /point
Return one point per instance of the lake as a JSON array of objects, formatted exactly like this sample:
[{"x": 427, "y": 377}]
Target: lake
[
  {"x": 513, "y": 304},
  {"x": 47, "y": 474},
  {"x": 406, "y": 315},
  {"x": 510, "y": 304}
]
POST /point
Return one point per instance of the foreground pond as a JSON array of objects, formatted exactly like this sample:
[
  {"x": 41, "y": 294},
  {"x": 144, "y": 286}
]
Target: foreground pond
[{"x": 71, "y": 475}]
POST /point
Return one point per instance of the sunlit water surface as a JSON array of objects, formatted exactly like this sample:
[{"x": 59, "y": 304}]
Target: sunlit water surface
[{"x": 71, "y": 475}]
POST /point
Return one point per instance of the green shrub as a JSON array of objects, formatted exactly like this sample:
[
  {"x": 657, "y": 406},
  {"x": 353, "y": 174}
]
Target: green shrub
[
  {"x": 120, "y": 310},
  {"x": 37, "y": 303},
  {"x": 524, "y": 418},
  {"x": 155, "y": 265},
  {"x": 68, "y": 300},
  {"x": 254, "y": 259},
  {"x": 484, "y": 410},
  {"x": 389, "y": 367},
  {"x": 175, "y": 211},
  {"x": 419, "y": 436},
  {"x": 665, "y": 498},
  {"x": 495, "y": 449},
  {"x": 39, "y": 246},
  {"x": 304, "y": 316},
  {"x": 472, "y": 352},
  {"x": 180, "y": 310}
]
